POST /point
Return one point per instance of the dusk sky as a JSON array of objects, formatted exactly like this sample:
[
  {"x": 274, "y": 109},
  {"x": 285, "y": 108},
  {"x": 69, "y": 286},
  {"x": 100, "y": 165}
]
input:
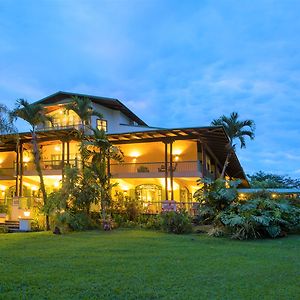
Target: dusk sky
[{"x": 174, "y": 63}]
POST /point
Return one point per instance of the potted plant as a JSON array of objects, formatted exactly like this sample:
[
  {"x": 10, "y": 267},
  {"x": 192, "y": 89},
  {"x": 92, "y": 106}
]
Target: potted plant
[{"x": 142, "y": 169}]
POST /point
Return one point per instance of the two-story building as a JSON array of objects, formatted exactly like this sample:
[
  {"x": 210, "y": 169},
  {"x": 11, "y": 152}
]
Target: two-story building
[{"x": 159, "y": 164}]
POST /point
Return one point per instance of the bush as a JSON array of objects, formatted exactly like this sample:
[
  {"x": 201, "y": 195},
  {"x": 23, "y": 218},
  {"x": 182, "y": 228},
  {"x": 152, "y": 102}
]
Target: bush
[
  {"x": 133, "y": 208},
  {"x": 217, "y": 231},
  {"x": 260, "y": 218},
  {"x": 77, "y": 221},
  {"x": 36, "y": 225},
  {"x": 151, "y": 222},
  {"x": 176, "y": 222},
  {"x": 214, "y": 196},
  {"x": 3, "y": 209},
  {"x": 3, "y": 229}
]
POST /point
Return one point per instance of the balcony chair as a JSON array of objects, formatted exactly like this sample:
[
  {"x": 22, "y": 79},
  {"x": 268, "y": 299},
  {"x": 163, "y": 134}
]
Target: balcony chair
[{"x": 162, "y": 168}]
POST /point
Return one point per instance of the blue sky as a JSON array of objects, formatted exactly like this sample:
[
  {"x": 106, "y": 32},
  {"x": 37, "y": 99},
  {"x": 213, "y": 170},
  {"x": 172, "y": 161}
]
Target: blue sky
[{"x": 174, "y": 63}]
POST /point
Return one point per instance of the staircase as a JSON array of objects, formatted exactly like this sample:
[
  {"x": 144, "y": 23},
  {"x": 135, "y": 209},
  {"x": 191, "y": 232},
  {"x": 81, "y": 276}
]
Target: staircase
[{"x": 12, "y": 226}]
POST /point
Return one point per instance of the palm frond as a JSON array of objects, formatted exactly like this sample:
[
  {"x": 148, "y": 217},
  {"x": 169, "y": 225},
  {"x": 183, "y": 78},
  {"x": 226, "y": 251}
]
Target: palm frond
[
  {"x": 34, "y": 113},
  {"x": 83, "y": 108},
  {"x": 235, "y": 128}
]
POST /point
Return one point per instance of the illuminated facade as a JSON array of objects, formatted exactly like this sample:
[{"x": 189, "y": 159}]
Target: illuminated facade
[{"x": 159, "y": 164}]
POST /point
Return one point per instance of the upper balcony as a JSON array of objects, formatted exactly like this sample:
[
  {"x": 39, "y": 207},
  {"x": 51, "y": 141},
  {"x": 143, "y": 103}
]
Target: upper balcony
[
  {"x": 155, "y": 169},
  {"x": 123, "y": 170},
  {"x": 49, "y": 167},
  {"x": 61, "y": 126},
  {"x": 7, "y": 173}
]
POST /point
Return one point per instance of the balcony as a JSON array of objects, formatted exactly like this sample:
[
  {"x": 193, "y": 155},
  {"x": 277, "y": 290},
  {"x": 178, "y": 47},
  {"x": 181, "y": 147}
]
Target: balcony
[
  {"x": 6, "y": 173},
  {"x": 155, "y": 169},
  {"x": 60, "y": 126},
  {"x": 49, "y": 167}
]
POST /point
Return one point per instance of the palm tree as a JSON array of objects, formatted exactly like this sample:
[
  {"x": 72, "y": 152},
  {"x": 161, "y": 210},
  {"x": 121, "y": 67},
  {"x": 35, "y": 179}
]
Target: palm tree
[
  {"x": 84, "y": 110},
  {"x": 34, "y": 114},
  {"x": 101, "y": 152},
  {"x": 236, "y": 130}
]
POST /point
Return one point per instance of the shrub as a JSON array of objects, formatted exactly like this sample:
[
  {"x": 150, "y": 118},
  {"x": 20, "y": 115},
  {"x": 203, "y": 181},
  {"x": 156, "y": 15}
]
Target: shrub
[
  {"x": 125, "y": 208},
  {"x": 260, "y": 218},
  {"x": 176, "y": 222},
  {"x": 214, "y": 196},
  {"x": 3, "y": 209},
  {"x": 217, "y": 231},
  {"x": 36, "y": 225},
  {"x": 3, "y": 229},
  {"x": 77, "y": 221},
  {"x": 133, "y": 208},
  {"x": 151, "y": 222}
]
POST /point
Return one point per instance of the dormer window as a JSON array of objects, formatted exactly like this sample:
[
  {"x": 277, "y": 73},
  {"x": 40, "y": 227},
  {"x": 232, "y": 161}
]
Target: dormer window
[{"x": 102, "y": 124}]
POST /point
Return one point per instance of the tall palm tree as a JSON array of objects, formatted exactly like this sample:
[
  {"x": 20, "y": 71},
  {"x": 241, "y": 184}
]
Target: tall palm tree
[
  {"x": 236, "y": 130},
  {"x": 101, "y": 151},
  {"x": 34, "y": 114},
  {"x": 84, "y": 110}
]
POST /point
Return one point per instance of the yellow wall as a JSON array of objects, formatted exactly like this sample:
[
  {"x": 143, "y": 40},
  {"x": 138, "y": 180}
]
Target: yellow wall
[
  {"x": 7, "y": 159},
  {"x": 155, "y": 152},
  {"x": 56, "y": 149},
  {"x": 63, "y": 118}
]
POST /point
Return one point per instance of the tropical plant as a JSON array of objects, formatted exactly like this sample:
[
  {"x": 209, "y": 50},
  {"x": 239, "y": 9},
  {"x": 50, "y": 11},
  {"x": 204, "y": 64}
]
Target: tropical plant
[
  {"x": 133, "y": 208},
  {"x": 34, "y": 114},
  {"x": 176, "y": 222},
  {"x": 84, "y": 109},
  {"x": 214, "y": 196},
  {"x": 70, "y": 205},
  {"x": 3, "y": 208},
  {"x": 100, "y": 151},
  {"x": 236, "y": 130},
  {"x": 260, "y": 218}
]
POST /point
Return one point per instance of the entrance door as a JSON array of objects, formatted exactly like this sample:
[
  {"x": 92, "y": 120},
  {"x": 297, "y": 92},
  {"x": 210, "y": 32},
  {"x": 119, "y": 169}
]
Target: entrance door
[{"x": 150, "y": 196}]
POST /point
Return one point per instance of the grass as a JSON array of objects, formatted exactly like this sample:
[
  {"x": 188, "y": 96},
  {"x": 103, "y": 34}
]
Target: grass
[{"x": 137, "y": 264}]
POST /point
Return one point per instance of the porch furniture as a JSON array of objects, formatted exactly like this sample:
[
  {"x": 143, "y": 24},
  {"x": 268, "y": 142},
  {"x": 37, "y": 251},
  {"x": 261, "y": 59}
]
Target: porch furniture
[{"x": 162, "y": 168}]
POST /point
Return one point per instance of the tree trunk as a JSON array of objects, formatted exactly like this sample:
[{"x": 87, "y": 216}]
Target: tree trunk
[
  {"x": 37, "y": 161},
  {"x": 226, "y": 163},
  {"x": 225, "y": 166}
]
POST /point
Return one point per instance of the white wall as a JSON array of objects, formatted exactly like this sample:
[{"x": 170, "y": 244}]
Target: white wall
[{"x": 117, "y": 122}]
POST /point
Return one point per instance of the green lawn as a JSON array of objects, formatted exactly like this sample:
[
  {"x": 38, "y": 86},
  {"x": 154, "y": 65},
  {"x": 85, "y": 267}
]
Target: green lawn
[{"x": 136, "y": 264}]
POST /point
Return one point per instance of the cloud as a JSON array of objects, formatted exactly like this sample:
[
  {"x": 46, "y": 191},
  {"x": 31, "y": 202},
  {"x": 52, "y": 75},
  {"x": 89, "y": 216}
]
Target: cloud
[{"x": 173, "y": 63}]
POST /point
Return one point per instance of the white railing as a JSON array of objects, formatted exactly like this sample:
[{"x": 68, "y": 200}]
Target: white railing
[
  {"x": 154, "y": 168},
  {"x": 25, "y": 202},
  {"x": 51, "y": 164},
  {"x": 7, "y": 171}
]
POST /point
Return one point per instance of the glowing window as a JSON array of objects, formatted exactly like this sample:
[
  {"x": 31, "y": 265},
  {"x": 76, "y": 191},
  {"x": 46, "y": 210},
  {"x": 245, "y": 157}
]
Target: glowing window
[{"x": 102, "y": 124}]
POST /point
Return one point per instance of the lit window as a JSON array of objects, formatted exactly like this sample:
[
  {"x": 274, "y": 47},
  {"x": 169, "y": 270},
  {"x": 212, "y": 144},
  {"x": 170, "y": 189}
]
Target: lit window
[{"x": 102, "y": 124}]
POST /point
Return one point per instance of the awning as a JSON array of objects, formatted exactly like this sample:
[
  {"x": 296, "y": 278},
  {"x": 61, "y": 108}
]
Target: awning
[{"x": 214, "y": 137}]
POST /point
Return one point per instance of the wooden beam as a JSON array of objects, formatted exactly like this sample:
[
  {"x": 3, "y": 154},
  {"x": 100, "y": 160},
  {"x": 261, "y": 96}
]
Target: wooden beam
[
  {"x": 204, "y": 170},
  {"x": 17, "y": 171},
  {"x": 21, "y": 171},
  {"x": 68, "y": 152},
  {"x": 171, "y": 170},
  {"x": 63, "y": 159},
  {"x": 166, "y": 171}
]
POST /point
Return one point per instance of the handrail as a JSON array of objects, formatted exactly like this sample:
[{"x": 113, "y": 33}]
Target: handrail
[
  {"x": 60, "y": 126},
  {"x": 154, "y": 167},
  {"x": 155, "y": 162}
]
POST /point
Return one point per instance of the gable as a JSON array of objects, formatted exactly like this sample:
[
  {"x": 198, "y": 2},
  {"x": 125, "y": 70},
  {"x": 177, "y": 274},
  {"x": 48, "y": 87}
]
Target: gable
[{"x": 115, "y": 104}]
